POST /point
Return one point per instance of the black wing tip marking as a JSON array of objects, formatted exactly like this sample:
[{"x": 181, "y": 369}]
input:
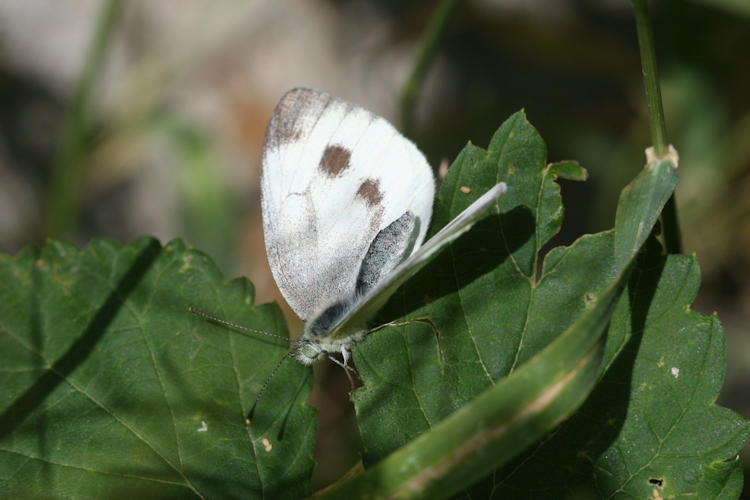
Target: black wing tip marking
[{"x": 283, "y": 127}]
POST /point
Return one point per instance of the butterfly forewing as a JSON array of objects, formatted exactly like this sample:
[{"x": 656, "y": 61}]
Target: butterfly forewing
[{"x": 333, "y": 176}]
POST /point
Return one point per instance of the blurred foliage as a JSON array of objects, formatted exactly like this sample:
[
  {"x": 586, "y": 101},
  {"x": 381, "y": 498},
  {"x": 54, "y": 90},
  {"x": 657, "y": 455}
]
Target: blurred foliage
[{"x": 207, "y": 211}]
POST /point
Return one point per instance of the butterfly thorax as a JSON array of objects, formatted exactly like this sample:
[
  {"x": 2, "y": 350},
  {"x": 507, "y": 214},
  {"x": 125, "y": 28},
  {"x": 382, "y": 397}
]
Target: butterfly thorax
[
  {"x": 307, "y": 350},
  {"x": 322, "y": 336}
]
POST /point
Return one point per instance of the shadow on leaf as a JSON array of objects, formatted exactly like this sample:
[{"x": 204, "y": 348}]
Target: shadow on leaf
[
  {"x": 486, "y": 246},
  {"x": 84, "y": 345}
]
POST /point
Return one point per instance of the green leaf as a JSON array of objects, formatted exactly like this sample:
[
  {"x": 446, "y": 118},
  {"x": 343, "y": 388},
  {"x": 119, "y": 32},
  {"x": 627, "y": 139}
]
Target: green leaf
[
  {"x": 497, "y": 424},
  {"x": 570, "y": 170},
  {"x": 639, "y": 207},
  {"x": 492, "y": 313},
  {"x": 111, "y": 385},
  {"x": 651, "y": 428}
]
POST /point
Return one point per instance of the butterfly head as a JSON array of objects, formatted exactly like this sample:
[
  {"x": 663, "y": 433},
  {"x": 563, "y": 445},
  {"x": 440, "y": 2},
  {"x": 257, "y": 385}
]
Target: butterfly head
[{"x": 306, "y": 351}]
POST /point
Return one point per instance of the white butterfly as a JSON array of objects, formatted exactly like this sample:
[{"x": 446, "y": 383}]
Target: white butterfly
[{"x": 346, "y": 203}]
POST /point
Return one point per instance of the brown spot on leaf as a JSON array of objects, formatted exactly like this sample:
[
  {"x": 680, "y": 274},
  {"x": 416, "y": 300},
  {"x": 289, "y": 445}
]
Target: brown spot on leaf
[
  {"x": 370, "y": 192},
  {"x": 335, "y": 160}
]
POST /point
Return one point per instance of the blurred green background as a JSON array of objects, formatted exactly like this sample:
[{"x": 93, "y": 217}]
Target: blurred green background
[{"x": 121, "y": 119}]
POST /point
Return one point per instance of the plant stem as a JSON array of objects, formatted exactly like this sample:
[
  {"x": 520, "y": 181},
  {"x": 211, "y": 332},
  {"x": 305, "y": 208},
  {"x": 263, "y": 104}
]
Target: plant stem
[
  {"x": 651, "y": 77},
  {"x": 63, "y": 193},
  {"x": 670, "y": 225},
  {"x": 427, "y": 50}
]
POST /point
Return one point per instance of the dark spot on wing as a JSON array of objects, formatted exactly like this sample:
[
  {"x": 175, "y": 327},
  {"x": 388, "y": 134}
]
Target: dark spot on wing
[
  {"x": 369, "y": 191},
  {"x": 335, "y": 160}
]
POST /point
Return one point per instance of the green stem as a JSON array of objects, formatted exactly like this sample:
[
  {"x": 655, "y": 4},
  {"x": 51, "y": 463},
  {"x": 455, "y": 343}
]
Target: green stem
[
  {"x": 427, "y": 50},
  {"x": 63, "y": 194},
  {"x": 651, "y": 77},
  {"x": 670, "y": 225}
]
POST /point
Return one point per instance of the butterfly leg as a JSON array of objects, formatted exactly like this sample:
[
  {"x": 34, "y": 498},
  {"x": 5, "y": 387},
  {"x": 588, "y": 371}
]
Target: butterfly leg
[
  {"x": 346, "y": 353},
  {"x": 347, "y": 369}
]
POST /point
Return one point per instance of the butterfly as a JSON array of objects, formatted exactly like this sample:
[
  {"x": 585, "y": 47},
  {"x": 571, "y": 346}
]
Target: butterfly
[{"x": 346, "y": 202}]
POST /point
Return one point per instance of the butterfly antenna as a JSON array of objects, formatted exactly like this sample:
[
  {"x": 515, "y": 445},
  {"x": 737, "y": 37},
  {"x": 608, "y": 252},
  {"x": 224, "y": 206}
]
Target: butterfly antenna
[
  {"x": 224, "y": 322},
  {"x": 249, "y": 417}
]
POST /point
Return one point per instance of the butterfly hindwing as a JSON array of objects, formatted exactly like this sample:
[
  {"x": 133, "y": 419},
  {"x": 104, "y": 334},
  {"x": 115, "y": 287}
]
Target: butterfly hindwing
[
  {"x": 333, "y": 176},
  {"x": 392, "y": 245}
]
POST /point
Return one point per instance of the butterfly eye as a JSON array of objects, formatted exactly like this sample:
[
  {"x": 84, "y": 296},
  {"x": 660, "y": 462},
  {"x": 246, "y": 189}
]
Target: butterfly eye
[{"x": 305, "y": 351}]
